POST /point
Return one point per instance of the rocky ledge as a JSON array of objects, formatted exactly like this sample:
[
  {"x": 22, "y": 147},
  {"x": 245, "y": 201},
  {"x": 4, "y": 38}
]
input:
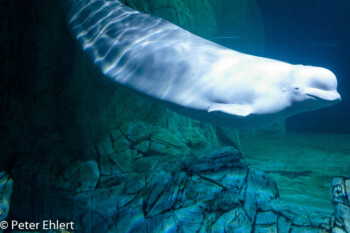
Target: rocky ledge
[{"x": 147, "y": 179}]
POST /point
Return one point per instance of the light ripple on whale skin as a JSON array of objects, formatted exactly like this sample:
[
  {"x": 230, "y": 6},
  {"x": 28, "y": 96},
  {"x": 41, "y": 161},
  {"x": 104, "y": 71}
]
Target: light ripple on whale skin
[{"x": 193, "y": 76}]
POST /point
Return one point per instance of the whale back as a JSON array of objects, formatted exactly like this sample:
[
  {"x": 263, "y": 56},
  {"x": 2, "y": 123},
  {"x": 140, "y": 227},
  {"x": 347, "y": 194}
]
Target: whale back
[
  {"x": 145, "y": 53},
  {"x": 190, "y": 75}
]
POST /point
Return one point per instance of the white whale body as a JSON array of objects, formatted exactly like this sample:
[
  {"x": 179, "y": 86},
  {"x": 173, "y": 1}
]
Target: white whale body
[{"x": 193, "y": 76}]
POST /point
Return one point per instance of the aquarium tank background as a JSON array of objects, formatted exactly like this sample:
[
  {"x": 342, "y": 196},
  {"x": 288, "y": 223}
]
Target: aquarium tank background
[{"x": 87, "y": 155}]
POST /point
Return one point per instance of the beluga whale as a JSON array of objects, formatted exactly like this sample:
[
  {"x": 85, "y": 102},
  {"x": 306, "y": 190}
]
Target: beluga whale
[{"x": 191, "y": 75}]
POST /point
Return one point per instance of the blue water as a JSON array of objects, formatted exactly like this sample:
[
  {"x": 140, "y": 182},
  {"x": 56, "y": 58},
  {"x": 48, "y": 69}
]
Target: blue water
[{"x": 312, "y": 33}]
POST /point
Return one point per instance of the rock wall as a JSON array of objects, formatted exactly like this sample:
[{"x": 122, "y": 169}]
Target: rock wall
[
  {"x": 196, "y": 16},
  {"x": 146, "y": 179},
  {"x": 237, "y": 24}
]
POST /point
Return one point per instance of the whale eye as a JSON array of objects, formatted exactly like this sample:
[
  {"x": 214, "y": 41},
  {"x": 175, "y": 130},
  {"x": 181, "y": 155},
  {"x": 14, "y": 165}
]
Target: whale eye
[{"x": 296, "y": 88}]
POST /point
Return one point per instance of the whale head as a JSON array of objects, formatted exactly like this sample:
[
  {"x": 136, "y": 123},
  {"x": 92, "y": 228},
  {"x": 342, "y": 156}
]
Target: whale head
[
  {"x": 312, "y": 88},
  {"x": 277, "y": 92}
]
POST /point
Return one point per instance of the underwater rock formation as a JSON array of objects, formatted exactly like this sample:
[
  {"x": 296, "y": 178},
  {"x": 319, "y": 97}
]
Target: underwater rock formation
[
  {"x": 5, "y": 196},
  {"x": 151, "y": 179},
  {"x": 340, "y": 195}
]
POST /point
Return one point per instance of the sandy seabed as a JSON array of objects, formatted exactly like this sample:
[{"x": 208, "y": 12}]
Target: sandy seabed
[{"x": 302, "y": 164}]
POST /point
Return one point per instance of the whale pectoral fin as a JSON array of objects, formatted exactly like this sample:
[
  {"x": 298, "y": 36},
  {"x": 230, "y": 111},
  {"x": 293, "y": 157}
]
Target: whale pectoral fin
[{"x": 240, "y": 110}]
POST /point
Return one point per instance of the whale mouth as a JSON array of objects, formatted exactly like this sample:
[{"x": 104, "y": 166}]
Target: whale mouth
[{"x": 324, "y": 96}]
